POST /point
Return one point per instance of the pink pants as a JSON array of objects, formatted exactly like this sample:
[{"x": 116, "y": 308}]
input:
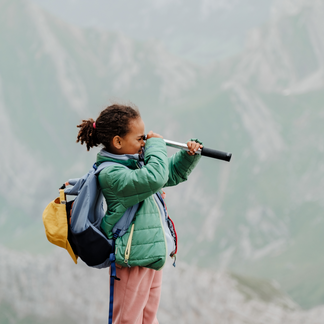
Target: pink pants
[{"x": 136, "y": 295}]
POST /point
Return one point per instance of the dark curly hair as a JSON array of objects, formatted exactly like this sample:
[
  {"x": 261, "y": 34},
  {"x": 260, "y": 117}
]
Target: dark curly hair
[{"x": 112, "y": 121}]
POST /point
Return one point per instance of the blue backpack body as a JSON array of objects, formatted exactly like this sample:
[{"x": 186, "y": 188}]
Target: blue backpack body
[{"x": 85, "y": 214}]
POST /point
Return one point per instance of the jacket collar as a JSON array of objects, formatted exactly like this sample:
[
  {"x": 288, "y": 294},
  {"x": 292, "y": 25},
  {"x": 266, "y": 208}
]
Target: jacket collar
[
  {"x": 132, "y": 161},
  {"x": 123, "y": 157}
]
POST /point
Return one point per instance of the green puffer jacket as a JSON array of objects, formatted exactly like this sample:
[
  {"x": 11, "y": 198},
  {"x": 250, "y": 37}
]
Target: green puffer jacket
[{"x": 124, "y": 187}]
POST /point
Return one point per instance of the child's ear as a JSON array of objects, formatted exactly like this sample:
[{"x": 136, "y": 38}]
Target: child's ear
[{"x": 117, "y": 142}]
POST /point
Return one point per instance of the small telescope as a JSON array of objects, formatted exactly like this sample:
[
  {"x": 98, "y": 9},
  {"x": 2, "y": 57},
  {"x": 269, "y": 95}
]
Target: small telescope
[{"x": 204, "y": 151}]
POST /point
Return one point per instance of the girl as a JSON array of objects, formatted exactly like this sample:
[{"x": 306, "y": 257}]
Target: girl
[{"x": 143, "y": 169}]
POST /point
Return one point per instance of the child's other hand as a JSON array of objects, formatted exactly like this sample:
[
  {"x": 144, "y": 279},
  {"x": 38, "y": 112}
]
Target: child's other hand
[
  {"x": 193, "y": 147},
  {"x": 150, "y": 134}
]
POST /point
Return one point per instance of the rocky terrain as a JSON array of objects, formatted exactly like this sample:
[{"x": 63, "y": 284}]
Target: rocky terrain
[{"x": 55, "y": 290}]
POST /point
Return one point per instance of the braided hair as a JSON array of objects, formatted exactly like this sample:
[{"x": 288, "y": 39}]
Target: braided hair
[{"x": 112, "y": 121}]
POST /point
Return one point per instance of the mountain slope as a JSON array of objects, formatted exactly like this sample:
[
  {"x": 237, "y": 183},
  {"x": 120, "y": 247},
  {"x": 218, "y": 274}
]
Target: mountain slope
[{"x": 258, "y": 216}]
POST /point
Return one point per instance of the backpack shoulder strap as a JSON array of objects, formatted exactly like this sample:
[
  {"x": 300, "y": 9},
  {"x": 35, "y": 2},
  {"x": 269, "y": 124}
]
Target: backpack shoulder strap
[{"x": 120, "y": 228}]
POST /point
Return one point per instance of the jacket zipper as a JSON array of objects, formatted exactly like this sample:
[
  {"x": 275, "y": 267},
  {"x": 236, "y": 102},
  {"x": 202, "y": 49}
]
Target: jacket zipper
[
  {"x": 129, "y": 245},
  {"x": 129, "y": 241},
  {"x": 165, "y": 243}
]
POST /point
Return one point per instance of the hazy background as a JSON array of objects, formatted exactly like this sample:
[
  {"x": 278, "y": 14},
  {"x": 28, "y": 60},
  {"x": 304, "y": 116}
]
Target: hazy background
[{"x": 243, "y": 76}]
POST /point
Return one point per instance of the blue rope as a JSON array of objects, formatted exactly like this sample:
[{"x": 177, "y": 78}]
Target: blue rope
[
  {"x": 113, "y": 276},
  {"x": 112, "y": 283}
]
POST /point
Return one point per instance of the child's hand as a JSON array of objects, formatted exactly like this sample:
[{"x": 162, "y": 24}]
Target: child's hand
[
  {"x": 193, "y": 147},
  {"x": 150, "y": 134}
]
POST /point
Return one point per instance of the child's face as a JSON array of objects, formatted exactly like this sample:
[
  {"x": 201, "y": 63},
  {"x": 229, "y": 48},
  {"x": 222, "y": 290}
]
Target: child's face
[{"x": 133, "y": 142}]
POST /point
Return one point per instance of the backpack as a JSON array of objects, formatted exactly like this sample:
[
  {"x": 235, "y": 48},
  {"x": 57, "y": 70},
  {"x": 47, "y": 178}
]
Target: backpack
[
  {"x": 85, "y": 214},
  {"x": 75, "y": 224}
]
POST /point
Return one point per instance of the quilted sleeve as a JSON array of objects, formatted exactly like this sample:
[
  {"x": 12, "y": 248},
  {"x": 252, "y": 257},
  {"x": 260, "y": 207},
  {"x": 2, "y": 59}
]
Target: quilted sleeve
[
  {"x": 181, "y": 165},
  {"x": 133, "y": 186}
]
